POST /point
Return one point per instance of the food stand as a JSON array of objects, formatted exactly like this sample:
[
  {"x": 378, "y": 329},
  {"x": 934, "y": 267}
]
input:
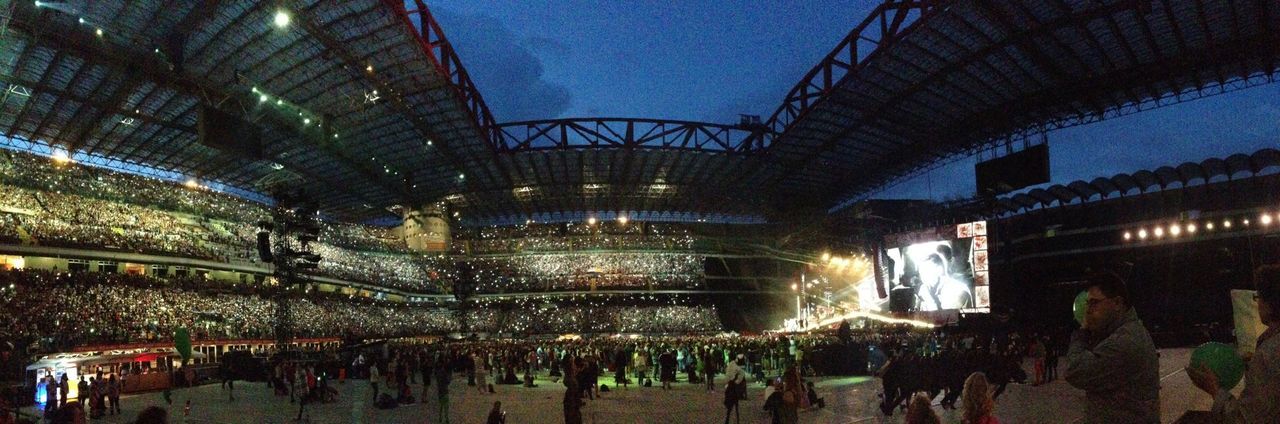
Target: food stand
[{"x": 140, "y": 369}]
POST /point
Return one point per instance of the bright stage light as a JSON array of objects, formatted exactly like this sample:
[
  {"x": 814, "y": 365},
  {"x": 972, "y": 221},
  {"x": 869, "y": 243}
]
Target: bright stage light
[
  {"x": 826, "y": 257},
  {"x": 591, "y": 221},
  {"x": 1226, "y": 224},
  {"x": 794, "y": 287},
  {"x": 1266, "y": 219},
  {"x": 1142, "y": 234},
  {"x": 622, "y": 220},
  {"x": 1191, "y": 228},
  {"x": 1159, "y": 232},
  {"x": 281, "y": 19},
  {"x": 60, "y": 156},
  {"x": 1175, "y": 230},
  {"x": 1208, "y": 226},
  {"x": 1128, "y": 235},
  {"x": 192, "y": 183}
]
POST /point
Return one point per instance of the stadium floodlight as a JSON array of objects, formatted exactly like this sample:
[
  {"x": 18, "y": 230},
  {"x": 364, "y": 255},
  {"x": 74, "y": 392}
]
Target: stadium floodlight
[{"x": 281, "y": 19}]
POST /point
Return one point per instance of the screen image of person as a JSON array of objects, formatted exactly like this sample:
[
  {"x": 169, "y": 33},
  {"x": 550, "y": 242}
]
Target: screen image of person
[
  {"x": 931, "y": 276},
  {"x": 938, "y": 289}
]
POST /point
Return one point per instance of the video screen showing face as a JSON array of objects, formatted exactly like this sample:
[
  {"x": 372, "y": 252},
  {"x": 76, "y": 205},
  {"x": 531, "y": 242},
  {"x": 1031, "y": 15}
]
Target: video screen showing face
[{"x": 936, "y": 275}]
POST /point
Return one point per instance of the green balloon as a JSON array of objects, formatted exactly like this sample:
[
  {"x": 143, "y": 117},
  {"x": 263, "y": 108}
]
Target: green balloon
[
  {"x": 1222, "y": 360},
  {"x": 182, "y": 343},
  {"x": 1080, "y": 305}
]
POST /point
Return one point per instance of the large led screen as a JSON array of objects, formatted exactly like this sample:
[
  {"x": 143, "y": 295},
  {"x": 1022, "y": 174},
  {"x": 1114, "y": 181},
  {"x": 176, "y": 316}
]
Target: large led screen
[{"x": 943, "y": 269}]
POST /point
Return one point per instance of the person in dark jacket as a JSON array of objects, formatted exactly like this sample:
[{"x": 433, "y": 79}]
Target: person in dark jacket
[
  {"x": 572, "y": 393},
  {"x": 496, "y": 415},
  {"x": 1112, "y": 358},
  {"x": 667, "y": 367}
]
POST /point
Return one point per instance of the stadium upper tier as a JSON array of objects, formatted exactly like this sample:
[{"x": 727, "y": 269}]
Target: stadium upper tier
[
  {"x": 43, "y": 203},
  {"x": 367, "y": 105},
  {"x": 51, "y": 204}
]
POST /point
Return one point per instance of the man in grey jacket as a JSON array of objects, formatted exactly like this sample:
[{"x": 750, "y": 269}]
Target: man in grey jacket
[{"x": 1113, "y": 359}]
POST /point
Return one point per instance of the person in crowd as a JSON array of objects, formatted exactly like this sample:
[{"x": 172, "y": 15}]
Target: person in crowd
[
  {"x": 496, "y": 415},
  {"x": 64, "y": 388},
  {"x": 229, "y": 380},
  {"x": 572, "y": 393},
  {"x": 792, "y": 395},
  {"x": 1112, "y": 358},
  {"x": 481, "y": 373},
  {"x": 977, "y": 401},
  {"x": 443, "y": 378},
  {"x": 95, "y": 398},
  {"x": 152, "y": 415},
  {"x": 375, "y": 376},
  {"x": 113, "y": 393},
  {"x": 920, "y": 410},
  {"x": 84, "y": 394},
  {"x": 1259, "y": 402},
  {"x": 811, "y": 394},
  {"x": 620, "y": 363},
  {"x": 773, "y": 400},
  {"x": 50, "y": 394},
  {"x": 1052, "y": 352},
  {"x": 426, "y": 362},
  {"x": 1037, "y": 351},
  {"x": 735, "y": 389}
]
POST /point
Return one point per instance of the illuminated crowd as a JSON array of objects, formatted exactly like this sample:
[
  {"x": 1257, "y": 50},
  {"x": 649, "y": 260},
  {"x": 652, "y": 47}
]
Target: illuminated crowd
[
  {"x": 623, "y": 314},
  {"x": 66, "y": 205},
  {"x": 587, "y": 271},
  {"x": 88, "y": 308},
  {"x": 574, "y": 237}
]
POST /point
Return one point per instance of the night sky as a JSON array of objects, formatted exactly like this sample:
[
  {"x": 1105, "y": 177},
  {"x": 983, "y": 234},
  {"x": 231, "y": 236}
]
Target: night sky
[{"x": 711, "y": 60}]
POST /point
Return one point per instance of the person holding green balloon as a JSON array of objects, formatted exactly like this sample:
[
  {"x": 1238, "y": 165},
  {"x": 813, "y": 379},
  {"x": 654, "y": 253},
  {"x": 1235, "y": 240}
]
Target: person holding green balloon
[
  {"x": 1211, "y": 366},
  {"x": 1112, "y": 357}
]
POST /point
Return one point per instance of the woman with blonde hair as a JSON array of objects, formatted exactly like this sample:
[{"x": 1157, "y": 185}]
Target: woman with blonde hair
[
  {"x": 920, "y": 410},
  {"x": 976, "y": 400}
]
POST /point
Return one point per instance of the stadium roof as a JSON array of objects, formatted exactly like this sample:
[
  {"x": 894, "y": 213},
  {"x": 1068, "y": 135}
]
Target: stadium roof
[{"x": 365, "y": 103}]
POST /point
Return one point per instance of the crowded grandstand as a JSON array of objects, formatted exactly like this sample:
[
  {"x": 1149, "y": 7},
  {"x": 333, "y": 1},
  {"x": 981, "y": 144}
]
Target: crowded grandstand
[{"x": 314, "y": 199}]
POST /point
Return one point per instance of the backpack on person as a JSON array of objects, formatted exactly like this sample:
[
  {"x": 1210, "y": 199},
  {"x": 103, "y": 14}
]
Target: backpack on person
[
  {"x": 773, "y": 402},
  {"x": 385, "y": 401}
]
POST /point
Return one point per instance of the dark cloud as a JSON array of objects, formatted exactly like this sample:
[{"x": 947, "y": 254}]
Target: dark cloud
[
  {"x": 548, "y": 47},
  {"x": 508, "y": 73}
]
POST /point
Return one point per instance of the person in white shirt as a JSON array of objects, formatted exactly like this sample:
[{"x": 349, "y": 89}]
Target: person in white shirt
[
  {"x": 1258, "y": 401},
  {"x": 735, "y": 389}
]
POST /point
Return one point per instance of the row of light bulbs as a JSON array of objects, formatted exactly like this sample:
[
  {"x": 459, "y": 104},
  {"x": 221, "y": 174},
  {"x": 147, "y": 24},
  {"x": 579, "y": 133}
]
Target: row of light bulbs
[{"x": 1177, "y": 229}]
